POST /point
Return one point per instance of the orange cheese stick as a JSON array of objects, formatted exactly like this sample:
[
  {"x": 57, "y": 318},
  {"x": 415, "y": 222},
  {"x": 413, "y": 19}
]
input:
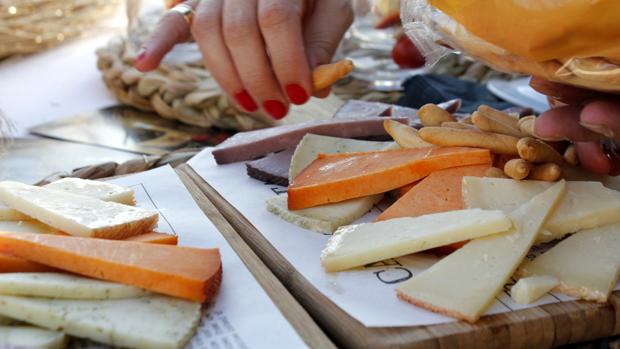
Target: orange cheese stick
[
  {"x": 155, "y": 238},
  {"x": 10, "y": 264},
  {"x": 190, "y": 273},
  {"x": 400, "y": 192},
  {"x": 338, "y": 177},
  {"x": 439, "y": 192}
]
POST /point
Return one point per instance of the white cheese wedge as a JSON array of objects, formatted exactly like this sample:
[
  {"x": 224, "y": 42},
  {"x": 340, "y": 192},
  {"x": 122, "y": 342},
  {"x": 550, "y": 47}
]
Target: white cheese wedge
[
  {"x": 312, "y": 145},
  {"x": 529, "y": 289},
  {"x": 357, "y": 245},
  {"x": 58, "y": 285},
  {"x": 326, "y": 218},
  {"x": 151, "y": 322},
  {"x": 100, "y": 190},
  {"x": 586, "y": 204},
  {"x": 31, "y": 337},
  {"x": 76, "y": 214},
  {"x": 26, "y": 227},
  {"x": 464, "y": 284},
  {"x": 587, "y": 263}
]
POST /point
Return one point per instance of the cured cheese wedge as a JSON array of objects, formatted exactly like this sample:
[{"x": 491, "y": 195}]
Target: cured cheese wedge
[
  {"x": 31, "y": 338},
  {"x": 587, "y": 263},
  {"x": 464, "y": 284},
  {"x": 357, "y": 245},
  {"x": 529, "y": 289},
  {"x": 586, "y": 204},
  {"x": 323, "y": 219},
  {"x": 150, "y": 322},
  {"x": 185, "y": 272},
  {"x": 60, "y": 285},
  {"x": 76, "y": 214},
  {"x": 12, "y": 264},
  {"x": 98, "y": 189},
  {"x": 155, "y": 238},
  {"x": 439, "y": 192},
  {"x": 339, "y": 177},
  {"x": 312, "y": 145}
]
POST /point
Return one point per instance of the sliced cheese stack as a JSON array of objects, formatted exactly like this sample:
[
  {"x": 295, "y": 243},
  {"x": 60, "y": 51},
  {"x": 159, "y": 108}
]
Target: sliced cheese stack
[
  {"x": 357, "y": 245},
  {"x": 587, "y": 264},
  {"x": 31, "y": 338},
  {"x": 326, "y": 218},
  {"x": 76, "y": 214},
  {"x": 9, "y": 214},
  {"x": 66, "y": 286},
  {"x": 149, "y": 322},
  {"x": 586, "y": 204},
  {"x": 464, "y": 284}
]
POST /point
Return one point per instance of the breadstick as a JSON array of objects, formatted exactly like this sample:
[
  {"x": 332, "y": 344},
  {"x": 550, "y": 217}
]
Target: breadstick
[
  {"x": 494, "y": 172},
  {"x": 498, "y": 115},
  {"x": 570, "y": 155},
  {"x": 461, "y": 125},
  {"x": 526, "y": 125},
  {"x": 536, "y": 151},
  {"x": 467, "y": 120},
  {"x": 326, "y": 75},
  {"x": 517, "y": 168},
  {"x": 432, "y": 115},
  {"x": 454, "y": 137},
  {"x": 489, "y": 122},
  {"x": 549, "y": 172}
]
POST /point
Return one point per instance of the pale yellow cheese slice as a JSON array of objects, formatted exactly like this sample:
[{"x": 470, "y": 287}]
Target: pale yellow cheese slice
[
  {"x": 65, "y": 286},
  {"x": 28, "y": 226},
  {"x": 98, "y": 189},
  {"x": 9, "y": 214},
  {"x": 529, "y": 289},
  {"x": 31, "y": 337},
  {"x": 76, "y": 214},
  {"x": 357, "y": 245},
  {"x": 150, "y": 322},
  {"x": 585, "y": 205},
  {"x": 325, "y": 218},
  {"x": 312, "y": 145},
  {"x": 587, "y": 263},
  {"x": 465, "y": 283}
]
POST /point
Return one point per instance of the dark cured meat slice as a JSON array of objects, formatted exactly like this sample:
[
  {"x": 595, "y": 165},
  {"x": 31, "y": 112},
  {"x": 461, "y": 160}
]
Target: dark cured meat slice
[
  {"x": 253, "y": 144},
  {"x": 272, "y": 169},
  {"x": 362, "y": 109}
]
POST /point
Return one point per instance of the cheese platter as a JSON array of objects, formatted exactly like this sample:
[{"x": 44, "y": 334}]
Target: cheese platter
[
  {"x": 434, "y": 261},
  {"x": 63, "y": 288}
]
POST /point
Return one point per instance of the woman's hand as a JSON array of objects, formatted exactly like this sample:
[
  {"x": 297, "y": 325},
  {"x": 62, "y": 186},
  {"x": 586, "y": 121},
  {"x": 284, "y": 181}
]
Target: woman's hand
[
  {"x": 588, "y": 118},
  {"x": 261, "y": 52}
]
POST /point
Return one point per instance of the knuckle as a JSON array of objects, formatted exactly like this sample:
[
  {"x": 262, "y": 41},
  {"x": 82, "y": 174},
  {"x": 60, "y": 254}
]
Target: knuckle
[
  {"x": 238, "y": 29},
  {"x": 275, "y": 13},
  {"x": 204, "y": 25}
]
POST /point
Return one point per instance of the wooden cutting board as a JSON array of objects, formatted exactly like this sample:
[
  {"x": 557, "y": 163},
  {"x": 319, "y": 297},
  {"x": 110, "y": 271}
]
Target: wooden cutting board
[
  {"x": 546, "y": 326},
  {"x": 296, "y": 315}
]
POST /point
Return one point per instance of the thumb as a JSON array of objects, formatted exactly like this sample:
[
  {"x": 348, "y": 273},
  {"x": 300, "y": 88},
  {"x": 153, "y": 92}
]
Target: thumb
[{"x": 325, "y": 27}]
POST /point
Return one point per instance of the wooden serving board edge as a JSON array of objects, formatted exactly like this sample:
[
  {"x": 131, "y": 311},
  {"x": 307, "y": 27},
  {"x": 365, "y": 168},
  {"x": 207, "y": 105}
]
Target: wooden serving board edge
[
  {"x": 296, "y": 315},
  {"x": 546, "y": 326}
]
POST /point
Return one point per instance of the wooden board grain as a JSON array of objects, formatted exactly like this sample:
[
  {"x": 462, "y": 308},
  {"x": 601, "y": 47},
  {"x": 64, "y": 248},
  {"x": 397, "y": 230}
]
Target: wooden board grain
[
  {"x": 297, "y": 316},
  {"x": 546, "y": 326}
]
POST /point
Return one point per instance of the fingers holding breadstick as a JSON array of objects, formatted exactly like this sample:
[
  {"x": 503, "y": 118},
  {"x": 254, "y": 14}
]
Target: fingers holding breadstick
[
  {"x": 526, "y": 125},
  {"x": 452, "y": 137},
  {"x": 570, "y": 155}
]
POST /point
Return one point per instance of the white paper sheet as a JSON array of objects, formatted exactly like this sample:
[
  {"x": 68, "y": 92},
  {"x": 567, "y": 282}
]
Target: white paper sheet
[
  {"x": 367, "y": 294},
  {"x": 242, "y": 315}
]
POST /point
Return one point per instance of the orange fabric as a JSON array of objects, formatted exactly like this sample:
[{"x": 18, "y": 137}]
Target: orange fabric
[
  {"x": 542, "y": 30},
  {"x": 338, "y": 177},
  {"x": 190, "y": 273}
]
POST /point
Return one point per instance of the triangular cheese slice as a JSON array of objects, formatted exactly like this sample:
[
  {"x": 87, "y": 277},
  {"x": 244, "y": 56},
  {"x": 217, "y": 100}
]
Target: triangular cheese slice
[{"x": 464, "y": 284}]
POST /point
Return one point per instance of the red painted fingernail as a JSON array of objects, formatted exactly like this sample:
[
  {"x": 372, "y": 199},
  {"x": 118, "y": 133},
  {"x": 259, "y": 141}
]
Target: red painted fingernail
[
  {"x": 296, "y": 94},
  {"x": 245, "y": 100},
  {"x": 141, "y": 54},
  {"x": 275, "y": 108}
]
